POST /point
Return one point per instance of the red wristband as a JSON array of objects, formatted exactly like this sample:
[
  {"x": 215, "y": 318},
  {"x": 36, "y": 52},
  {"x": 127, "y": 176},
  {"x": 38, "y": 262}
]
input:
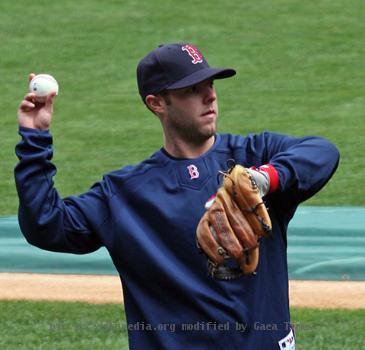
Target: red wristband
[{"x": 273, "y": 175}]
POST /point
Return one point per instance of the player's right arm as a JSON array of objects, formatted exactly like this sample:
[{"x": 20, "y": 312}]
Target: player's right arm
[{"x": 46, "y": 220}]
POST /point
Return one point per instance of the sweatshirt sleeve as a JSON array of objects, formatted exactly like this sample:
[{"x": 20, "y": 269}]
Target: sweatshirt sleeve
[
  {"x": 46, "y": 220},
  {"x": 303, "y": 165}
]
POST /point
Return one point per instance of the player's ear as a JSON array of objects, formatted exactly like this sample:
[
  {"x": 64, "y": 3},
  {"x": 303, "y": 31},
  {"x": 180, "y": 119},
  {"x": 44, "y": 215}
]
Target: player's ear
[{"x": 155, "y": 104}]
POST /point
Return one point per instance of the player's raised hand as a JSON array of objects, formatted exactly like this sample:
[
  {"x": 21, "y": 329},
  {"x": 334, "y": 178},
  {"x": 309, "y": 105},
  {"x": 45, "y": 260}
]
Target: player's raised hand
[{"x": 33, "y": 114}]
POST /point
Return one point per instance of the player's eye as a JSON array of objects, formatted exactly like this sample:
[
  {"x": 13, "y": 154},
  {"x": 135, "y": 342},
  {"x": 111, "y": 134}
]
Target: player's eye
[
  {"x": 192, "y": 89},
  {"x": 195, "y": 89}
]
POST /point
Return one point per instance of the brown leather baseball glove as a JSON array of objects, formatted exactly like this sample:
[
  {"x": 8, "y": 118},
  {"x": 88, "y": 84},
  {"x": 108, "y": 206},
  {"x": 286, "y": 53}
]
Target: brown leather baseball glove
[{"x": 231, "y": 228}]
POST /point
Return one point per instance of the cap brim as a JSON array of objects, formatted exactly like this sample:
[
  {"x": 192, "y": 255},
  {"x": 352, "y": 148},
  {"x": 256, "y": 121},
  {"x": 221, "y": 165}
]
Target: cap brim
[{"x": 201, "y": 75}]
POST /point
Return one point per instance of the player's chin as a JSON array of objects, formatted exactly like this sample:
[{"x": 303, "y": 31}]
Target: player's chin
[
  {"x": 207, "y": 128},
  {"x": 208, "y": 132},
  {"x": 211, "y": 128}
]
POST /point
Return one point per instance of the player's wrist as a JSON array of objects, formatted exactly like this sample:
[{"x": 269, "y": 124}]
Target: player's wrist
[
  {"x": 273, "y": 176},
  {"x": 266, "y": 178}
]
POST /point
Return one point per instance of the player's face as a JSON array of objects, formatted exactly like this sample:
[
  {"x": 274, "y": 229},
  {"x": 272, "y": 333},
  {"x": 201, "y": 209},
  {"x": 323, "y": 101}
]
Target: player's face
[{"x": 192, "y": 112}]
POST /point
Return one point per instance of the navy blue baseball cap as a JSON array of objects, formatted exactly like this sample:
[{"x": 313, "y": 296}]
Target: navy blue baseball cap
[{"x": 175, "y": 66}]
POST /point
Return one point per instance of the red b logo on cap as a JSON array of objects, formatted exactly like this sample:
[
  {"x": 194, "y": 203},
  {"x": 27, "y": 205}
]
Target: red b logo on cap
[{"x": 193, "y": 53}]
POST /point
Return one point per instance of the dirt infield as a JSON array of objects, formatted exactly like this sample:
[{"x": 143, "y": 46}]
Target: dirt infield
[{"x": 107, "y": 289}]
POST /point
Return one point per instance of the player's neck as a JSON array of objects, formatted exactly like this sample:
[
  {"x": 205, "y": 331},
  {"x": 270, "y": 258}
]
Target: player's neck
[{"x": 183, "y": 149}]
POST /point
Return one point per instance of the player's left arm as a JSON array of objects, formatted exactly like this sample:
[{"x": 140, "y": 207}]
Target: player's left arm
[{"x": 299, "y": 165}]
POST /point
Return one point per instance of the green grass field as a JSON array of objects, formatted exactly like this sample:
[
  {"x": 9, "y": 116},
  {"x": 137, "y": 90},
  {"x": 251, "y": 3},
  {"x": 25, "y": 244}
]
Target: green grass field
[
  {"x": 78, "y": 326},
  {"x": 301, "y": 70}
]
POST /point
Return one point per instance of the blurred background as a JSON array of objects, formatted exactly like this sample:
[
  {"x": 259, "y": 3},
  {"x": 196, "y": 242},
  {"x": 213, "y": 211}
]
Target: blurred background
[{"x": 301, "y": 71}]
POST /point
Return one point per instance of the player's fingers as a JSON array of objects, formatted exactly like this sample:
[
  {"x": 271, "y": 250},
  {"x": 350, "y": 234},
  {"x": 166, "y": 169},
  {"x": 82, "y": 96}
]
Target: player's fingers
[
  {"x": 30, "y": 97},
  {"x": 50, "y": 99},
  {"x": 26, "y": 105}
]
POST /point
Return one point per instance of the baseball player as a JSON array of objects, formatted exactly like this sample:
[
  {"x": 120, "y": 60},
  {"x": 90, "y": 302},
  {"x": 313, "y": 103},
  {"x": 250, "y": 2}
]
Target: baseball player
[{"x": 147, "y": 215}]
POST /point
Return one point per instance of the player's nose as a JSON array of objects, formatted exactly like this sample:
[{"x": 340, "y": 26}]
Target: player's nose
[{"x": 209, "y": 94}]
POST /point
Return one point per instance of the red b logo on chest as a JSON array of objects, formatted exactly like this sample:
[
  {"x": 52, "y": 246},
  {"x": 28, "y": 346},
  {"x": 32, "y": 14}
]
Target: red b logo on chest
[
  {"x": 193, "y": 53},
  {"x": 193, "y": 171}
]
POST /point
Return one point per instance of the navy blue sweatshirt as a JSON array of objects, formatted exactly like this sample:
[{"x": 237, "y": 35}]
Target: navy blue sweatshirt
[{"x": 146, "y": 217}]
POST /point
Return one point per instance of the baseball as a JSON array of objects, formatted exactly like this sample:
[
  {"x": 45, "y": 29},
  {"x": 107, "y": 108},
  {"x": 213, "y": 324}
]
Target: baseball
[{"x": 42, "y": 85}]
